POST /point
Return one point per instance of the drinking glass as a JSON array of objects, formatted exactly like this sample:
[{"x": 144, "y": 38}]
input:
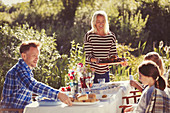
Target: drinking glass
[
  {"x": 83, "y": 84},
  {"x": 89, "y": 83},
  {"x": 101, "y": 80}
]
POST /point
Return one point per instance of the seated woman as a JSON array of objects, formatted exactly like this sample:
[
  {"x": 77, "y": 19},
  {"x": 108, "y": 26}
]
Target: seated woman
[
  {"x": 155, "y": 57},
  {"x": 153, "y": 94}
]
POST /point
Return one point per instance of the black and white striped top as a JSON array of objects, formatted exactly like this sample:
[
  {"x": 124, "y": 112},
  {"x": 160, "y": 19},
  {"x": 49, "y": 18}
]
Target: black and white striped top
[{"x": 101, "y": 47}]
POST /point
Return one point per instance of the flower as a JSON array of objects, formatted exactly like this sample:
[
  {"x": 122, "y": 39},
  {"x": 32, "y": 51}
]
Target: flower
[
  {"x": 75, "y": 73},
  {"x": 71, "y": 77},
  {"x": 161, "y": 43},
  {"x": 63, "y": 89},
  {"x": 72, "y": 72},
  {"x": 80, "y": 65},
  {"x": 78, "y": 71},
  {"x": 68, "y": 88},
  {"x": 69, "y": 74},
  {"x": 166, "y": 48}
]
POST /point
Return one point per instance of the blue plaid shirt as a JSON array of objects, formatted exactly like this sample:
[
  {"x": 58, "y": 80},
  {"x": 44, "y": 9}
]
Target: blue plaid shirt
[{"x": 19, "y": 85}]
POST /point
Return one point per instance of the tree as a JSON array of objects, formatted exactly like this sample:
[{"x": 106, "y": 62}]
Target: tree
[{"x": 158, "y": 23}]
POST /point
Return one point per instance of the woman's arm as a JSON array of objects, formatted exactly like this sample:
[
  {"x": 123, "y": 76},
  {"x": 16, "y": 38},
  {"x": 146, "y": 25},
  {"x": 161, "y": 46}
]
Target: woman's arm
[
  {"x": 88, "y": 49},
  {"x": 137, "y": 85}
]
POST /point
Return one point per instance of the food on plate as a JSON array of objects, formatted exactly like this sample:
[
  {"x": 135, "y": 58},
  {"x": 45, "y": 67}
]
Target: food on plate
[
  {"x": 112, "y": 59},
  {"x": 113, "y": 84},
  {"x": 84, "y": 98},
  {"x": 104, "y": 96},
  {"x": 45, "y": 98},
  {"x": 92, "y": 96}
]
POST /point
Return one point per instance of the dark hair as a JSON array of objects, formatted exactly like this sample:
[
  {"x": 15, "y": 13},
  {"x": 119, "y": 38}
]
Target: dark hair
[
  {"x": 25, "y": 46},
  {"x": 150, "y": 69}
]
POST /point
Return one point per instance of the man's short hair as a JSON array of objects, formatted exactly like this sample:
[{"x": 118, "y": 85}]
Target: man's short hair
[{"x": 25, "y": 46}]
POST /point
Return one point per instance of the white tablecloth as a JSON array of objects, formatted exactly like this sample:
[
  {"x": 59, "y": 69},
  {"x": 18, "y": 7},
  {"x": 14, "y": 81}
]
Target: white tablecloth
[{"x": 109, "y": 106}]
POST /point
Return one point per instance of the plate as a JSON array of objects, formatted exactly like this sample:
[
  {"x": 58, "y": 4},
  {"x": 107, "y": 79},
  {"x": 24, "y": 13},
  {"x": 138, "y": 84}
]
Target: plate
[
  {"x": 85, "y": 103},
  {"x": 102, "y": 99},
  {"x": 47, "y": 102}
]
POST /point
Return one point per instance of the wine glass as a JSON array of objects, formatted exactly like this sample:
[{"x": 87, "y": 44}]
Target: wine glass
[
  {"x": 83, "y": 84},
  {"x": 89, "y": 82},
  {"x": 101, "y": 81}
]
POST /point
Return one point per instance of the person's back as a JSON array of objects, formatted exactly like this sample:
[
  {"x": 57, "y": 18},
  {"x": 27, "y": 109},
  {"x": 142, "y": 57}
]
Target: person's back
[{"x": 159, "y": 102}]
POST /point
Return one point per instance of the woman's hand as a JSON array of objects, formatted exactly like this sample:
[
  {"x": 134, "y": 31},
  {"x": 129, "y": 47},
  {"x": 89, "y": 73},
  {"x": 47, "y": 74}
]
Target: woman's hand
[
  {"x": 129, "y": 109},
  {"x": 133, "y": 83},
  {"x": 94, "y": 60},
  {"x": 64, "y": 98},
  {"x": 124, "y": 64},
  {"x": 136, "y": 84}
]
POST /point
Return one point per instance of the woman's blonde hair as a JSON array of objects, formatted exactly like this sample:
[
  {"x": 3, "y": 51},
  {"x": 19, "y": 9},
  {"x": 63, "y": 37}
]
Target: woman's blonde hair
[
  {"x": 93, "y": 22},
  {"x": 155, "y": 57}
]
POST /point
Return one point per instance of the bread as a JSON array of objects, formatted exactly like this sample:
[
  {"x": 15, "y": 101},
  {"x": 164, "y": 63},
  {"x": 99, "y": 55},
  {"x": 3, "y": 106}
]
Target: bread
[
  {"x": 104, "y": 96},
  {"x": 45, "y": 98},
  {"x": 83, "y": 97},
  {"x": 92, "y": 96}
]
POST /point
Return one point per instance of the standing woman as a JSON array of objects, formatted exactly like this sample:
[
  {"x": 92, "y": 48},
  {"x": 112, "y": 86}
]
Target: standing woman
[{"x": 100, "y": 43}]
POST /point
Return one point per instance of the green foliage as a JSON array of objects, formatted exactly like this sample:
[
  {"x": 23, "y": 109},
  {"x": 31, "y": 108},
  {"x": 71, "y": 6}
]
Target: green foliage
[
  {"x": 141, "y": 48},
  {"x": 131, "y": 26},
  {"x": 127, "y": 18},
  {"x": 76, "y": 54},
  {"x": 57, "y": 22},
  {"x": 8, "y": 44},
  {"x": 164, "y": 50},
  {"x": 157, "y": 24}
]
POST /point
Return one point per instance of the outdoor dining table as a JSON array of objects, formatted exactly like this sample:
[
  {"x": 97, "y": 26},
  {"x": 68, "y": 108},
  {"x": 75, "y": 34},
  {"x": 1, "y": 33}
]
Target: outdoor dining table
[{"x": 110, "y": 105}]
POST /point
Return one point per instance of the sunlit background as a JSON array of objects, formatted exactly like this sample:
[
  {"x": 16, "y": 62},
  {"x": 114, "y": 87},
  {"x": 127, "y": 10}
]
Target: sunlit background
[
  {"x": 60, "y": 26},
  {"x": 10, "y": 2}
]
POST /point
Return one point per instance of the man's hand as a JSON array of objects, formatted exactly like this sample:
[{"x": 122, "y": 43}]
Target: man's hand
[{"x": 64, "y": 98}]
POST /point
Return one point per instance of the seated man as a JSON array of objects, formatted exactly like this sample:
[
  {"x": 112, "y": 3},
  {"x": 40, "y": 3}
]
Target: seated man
[{"x": 20, "y": 84}]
